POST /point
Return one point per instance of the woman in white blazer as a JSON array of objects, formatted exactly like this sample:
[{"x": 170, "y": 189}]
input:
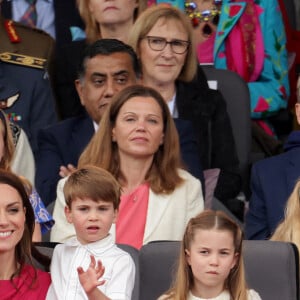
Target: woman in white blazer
[{"x": 138, "y": 143}]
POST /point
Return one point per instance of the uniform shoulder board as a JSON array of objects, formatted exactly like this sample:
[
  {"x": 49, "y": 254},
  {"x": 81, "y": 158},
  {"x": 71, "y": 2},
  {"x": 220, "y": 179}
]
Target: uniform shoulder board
[{"x": 25, "y": 46}]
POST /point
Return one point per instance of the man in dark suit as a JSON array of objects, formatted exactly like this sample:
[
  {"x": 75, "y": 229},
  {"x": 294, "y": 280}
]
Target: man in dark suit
[
  {"x": 107, "y": 67},
  {"x": 62, "y": 14},
  {"x": 272, "y": 181}
]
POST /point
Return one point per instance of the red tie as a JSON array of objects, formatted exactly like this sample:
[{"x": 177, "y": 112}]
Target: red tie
[{"x": 30, "y": 16}]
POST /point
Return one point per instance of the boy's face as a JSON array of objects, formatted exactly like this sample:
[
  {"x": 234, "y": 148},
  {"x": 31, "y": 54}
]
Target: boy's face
[{"x": 92, "y": 220}]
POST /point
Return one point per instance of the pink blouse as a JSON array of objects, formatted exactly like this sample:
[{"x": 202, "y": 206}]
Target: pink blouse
[{"x": 130, "y": 226}]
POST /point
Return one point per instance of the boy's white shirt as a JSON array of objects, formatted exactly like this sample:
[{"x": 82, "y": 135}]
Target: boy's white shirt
[{"x": 119, "y": 269}]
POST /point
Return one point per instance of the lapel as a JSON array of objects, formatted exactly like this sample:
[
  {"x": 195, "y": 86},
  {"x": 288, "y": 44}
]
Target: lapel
[
  {"x": 231, "y": 12},
  {"x": 6, "y": 10},
  {"x": 82, "y": 133},
  {"x": 292, "y": 171},
  {"x": 186, "y": 98},
  {"x": 156, "y": 209}
]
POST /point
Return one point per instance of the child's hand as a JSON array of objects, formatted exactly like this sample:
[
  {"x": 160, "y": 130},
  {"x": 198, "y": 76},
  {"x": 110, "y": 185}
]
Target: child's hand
[{"x": 89, "y": 279}]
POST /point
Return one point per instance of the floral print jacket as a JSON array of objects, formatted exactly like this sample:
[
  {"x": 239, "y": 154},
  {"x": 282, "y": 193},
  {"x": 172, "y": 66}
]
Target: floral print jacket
[{"x": 269, "y": 93}]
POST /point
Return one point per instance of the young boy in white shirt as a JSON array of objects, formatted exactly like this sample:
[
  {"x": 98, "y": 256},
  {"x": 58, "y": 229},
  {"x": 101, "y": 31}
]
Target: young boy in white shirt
[{"x": 92, "y": 200}]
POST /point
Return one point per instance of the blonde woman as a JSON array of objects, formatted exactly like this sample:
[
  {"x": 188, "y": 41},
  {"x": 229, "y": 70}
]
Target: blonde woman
[{"x": 289, "y": 228}]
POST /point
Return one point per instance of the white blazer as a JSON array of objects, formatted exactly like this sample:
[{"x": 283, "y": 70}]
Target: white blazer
[{"x": 167, "y": 215}]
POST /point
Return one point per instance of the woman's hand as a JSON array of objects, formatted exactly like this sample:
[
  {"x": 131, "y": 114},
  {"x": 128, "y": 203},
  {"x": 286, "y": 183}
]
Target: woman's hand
[{"x": 65, "y": 171}]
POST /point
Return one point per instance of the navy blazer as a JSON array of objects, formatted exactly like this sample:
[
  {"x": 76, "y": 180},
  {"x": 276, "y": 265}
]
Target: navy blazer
[
  {"x": 272, "y": 181},
  {"x": 66, "y": 15},
  {"x": 63, "y": 143}
]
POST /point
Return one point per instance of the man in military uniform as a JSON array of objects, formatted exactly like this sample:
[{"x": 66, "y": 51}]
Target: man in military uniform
[
  {"x": 56, "y": 17},
  {"x": 25, "y": 57}
]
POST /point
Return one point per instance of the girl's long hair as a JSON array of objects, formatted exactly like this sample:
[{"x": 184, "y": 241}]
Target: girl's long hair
[{"x": 184, "y": 280}]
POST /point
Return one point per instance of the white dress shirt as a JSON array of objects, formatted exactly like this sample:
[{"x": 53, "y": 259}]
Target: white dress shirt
[{"x": 119, "y": 272}]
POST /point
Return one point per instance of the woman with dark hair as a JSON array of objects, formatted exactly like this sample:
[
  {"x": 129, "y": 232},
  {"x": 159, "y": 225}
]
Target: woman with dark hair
[
  {"x": 138, "y": 143},
  {"x": 19, "y": 279},
  {"x": 43, "y": 219}
]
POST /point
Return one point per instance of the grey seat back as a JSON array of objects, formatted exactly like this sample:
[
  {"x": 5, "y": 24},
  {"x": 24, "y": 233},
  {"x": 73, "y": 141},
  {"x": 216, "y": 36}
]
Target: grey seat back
[
  {"x": 271, "y": 268},
  {"x": 237, "y": 97}
]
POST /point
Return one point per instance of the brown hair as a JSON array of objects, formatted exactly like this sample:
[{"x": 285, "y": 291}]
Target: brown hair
[
  {"x": 25, "y": 249},
  {"x": 91, "y": 27},
  {"x": 9, "y": 147},
  {"x": 184, "y": 280},
  {"x": 163, "y": 175},
  {"x": 149, "y": 18},
  {"x": 92, "y": 182}
]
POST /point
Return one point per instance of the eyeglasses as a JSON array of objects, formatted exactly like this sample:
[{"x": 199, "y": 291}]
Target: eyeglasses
[{"x": 158, "y": 44}]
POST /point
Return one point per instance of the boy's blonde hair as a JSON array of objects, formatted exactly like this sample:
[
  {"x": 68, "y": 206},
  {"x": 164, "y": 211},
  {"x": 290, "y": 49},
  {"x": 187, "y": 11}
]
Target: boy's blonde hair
[{"x": 92, "y": 182}]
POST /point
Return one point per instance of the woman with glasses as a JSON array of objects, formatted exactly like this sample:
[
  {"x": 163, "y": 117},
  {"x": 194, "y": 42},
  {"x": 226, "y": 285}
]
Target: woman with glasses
[
  {"x": 162, "y": 38},
  {"x": 247, "y": 37}
]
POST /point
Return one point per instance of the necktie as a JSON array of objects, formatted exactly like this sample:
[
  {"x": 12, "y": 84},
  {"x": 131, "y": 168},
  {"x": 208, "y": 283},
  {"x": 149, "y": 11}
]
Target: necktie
[{"x": 30, "y": 16}]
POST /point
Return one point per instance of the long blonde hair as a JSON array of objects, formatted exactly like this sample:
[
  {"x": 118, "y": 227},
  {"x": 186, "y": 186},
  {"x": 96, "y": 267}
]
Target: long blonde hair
[
  {"x": 101, "y": 151},
  {"x": 184, "y": 280},
  {"x": 91, "y": 26},
  {"x": 289, "y": 228}
]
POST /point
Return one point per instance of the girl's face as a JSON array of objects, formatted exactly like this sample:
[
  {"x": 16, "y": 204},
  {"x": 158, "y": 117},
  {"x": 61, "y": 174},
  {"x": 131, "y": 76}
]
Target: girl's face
[
  {"x": 211, "y": 257},
  {"x": 162, "y": 66},
  {"x": 113, "y": 11},
  {"x": 12, "y": 218},
  {"x": 139, "y": 128}
]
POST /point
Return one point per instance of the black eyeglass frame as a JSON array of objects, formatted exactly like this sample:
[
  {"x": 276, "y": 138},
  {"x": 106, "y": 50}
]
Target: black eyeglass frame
[{"x": 171, "y": 43}]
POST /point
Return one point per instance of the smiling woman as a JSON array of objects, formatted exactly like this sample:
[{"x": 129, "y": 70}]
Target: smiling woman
[
  {"x": 18, "y": 277},
  {"x": 137, "y": 142}
]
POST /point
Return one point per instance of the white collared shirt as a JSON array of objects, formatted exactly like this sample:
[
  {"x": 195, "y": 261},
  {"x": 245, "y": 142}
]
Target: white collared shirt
[
  {"x": 172, "y": 107},
  {"x": 119, "y": 272},
  {"x": 252, "y": 295}
]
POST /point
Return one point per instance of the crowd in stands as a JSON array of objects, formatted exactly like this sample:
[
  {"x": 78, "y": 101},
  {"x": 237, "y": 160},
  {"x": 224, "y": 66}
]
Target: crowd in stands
[{"x": 108, "y": 123}]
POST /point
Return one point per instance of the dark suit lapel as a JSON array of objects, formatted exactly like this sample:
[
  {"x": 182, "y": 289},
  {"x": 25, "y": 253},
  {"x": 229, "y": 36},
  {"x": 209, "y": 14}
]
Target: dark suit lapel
[
  {"x": 82, "y": 133},
  {"x": 292, "y": 168},
  {"x": 6, "y": 10}
]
